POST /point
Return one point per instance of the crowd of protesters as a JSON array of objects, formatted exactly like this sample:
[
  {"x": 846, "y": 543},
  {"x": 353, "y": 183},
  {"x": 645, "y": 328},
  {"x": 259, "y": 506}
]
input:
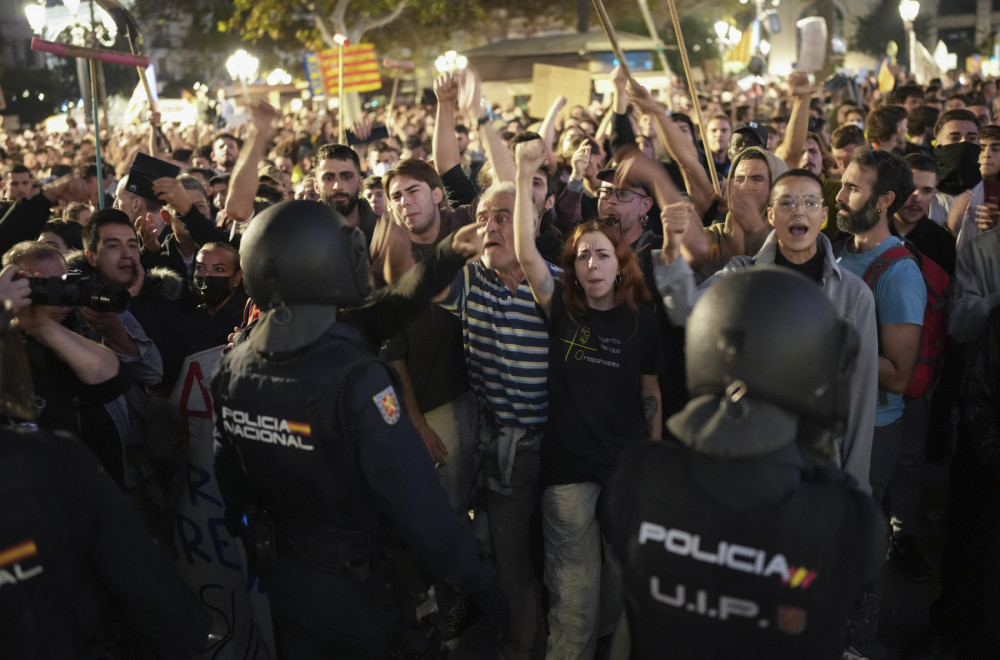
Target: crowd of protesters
[{"x": 561, "y": 342}]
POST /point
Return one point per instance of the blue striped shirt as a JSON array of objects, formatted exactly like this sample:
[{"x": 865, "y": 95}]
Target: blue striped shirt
[{"x": 506, "y": 345}]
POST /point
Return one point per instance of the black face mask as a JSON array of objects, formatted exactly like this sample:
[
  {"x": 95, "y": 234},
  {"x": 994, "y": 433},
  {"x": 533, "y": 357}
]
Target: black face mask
[
  {"x": 959, "y": 165},
  {"x": 212, "y": 289}
]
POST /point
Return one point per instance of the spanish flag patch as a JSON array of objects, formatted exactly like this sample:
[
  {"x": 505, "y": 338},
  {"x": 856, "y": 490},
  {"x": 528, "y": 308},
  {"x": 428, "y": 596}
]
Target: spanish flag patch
[
  {"x": 16, "y": 553},
  {"x": 301, "y": 428}
]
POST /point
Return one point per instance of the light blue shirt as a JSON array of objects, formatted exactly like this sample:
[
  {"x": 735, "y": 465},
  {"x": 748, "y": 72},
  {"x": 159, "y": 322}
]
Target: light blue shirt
[{"x": 900, "y": 297}]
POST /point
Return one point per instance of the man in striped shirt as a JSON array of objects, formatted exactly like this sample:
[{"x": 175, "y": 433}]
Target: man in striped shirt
[{"x": 506, "y": 350}]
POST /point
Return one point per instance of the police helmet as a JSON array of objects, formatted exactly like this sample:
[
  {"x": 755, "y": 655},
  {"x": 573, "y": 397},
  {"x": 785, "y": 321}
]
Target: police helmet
[
  {"x": 300, "y": 261},
  {"x": 770, "y": 335},
  {"x": 304, "y": 252}
]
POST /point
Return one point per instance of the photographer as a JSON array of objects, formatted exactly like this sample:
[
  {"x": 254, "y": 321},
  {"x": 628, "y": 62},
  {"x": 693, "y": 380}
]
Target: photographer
[{"x": 69, "y": 371}]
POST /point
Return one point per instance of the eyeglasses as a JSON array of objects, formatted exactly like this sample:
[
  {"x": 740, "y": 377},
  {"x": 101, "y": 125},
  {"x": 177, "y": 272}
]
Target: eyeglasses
[
  {"x": 624, "y": 196},
  {"x": 789, "y": 203}
]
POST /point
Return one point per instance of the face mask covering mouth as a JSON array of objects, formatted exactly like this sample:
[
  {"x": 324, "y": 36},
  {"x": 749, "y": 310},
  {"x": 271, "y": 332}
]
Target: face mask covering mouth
[
  {"x": 959, "y": 166},
  {"x": 211, "y": 289},
  {"x": 379, "y": 169}
]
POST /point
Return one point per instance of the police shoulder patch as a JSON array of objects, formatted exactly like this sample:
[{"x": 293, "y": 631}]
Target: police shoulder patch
[{"x": 388, "y": 405}]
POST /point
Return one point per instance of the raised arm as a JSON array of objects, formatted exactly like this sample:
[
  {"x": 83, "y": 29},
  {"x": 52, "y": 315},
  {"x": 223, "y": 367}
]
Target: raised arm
[
  {"x": 497, "y": 153},
  {"x": 548, "y": 130},
  {"x": 529, "y": 157},
  {"x": 791, "y": 148},
  {"x": 637, "y": 167},
  {"x": 244, "y": 182},
  {"x": 445, "y": 144},
  {"x": 680, "y": 148}
]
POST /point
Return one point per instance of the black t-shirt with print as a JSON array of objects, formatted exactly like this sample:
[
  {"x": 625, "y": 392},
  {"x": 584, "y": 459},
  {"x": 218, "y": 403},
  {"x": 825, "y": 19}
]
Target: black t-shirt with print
[{"x": 595, "y": 407}]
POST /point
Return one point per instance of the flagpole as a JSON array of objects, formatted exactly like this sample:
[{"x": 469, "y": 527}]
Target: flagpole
[
  {"x": 97, "y": 134},
  {"x": 341, "y": 41},
  {"x": 609, "y": 30},
  {"x": 694, "y": 96}
]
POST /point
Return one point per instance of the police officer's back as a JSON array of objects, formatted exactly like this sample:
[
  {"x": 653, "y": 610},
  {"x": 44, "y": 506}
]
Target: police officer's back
[
  {"x": 313, "y": 432},
  {"x": 733, "y": 542}
]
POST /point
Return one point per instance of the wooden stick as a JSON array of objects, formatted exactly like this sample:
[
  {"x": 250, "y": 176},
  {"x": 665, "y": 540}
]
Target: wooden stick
[
  {"x": 694, "y": 96},
  {"x": 609, "y": 30},
  {"x": 142, "y": 71},
  {"x": 399, "y": 66}
]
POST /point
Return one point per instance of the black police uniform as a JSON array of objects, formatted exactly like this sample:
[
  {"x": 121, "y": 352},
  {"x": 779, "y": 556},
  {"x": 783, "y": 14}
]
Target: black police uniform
[
  {"x": 773, "y": 577},
  {"x": 329, "y": 454},
  {"x": 79, "y": 574}
]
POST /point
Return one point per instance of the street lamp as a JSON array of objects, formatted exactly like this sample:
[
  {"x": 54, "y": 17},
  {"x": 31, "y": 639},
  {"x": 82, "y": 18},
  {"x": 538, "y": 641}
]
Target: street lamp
[
  {"x": 721, "y": 30},
  {"x": 908, "y": 10},
  {"x": 450, "y": 61},
  {"x": 279, "y": 77},
  {"x": 242, "y": 66}
]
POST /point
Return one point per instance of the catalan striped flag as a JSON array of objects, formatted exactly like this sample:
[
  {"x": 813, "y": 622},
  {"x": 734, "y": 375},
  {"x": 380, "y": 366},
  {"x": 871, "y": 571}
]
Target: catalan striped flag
[{"x": 361, "y": 72}]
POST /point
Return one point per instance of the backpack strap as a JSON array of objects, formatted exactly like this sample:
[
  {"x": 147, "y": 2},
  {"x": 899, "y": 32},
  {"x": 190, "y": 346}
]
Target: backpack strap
[{"x": 882, "y": 263}]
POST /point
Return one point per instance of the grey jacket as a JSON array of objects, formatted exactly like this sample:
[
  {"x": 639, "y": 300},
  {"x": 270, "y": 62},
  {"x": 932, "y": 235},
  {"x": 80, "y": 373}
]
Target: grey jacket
[
  {"x": 976, "y": 288},
  {"x": 854, "y": 303}
]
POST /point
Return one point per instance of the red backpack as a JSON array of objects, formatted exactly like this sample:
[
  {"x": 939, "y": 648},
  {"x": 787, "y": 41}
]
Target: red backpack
[{"x": 934, "y": 334}]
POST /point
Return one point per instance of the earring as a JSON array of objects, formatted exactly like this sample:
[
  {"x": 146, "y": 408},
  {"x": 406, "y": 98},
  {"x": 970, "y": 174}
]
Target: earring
[
  {"x": 577, "y": 282},
  {"x": 618, "y": 280}
]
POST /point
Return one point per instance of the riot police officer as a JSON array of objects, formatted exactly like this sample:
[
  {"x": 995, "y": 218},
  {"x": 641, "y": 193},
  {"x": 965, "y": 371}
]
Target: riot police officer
[
  {"x": 315, "y": 444},
  {"x": 741, "y": 540}
]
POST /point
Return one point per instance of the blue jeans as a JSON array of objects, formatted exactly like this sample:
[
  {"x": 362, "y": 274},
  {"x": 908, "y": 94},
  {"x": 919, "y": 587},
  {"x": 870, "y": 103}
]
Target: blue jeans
[{"x": 572, "y": 569}]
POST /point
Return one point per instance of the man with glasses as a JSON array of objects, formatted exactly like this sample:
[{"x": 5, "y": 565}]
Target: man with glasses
[
  {"x": 796, "y": 213},
  {"x": 628, "y": 207}
]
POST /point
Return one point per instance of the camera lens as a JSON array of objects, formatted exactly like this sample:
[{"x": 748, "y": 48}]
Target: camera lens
[{"x": 108, "y": 299}]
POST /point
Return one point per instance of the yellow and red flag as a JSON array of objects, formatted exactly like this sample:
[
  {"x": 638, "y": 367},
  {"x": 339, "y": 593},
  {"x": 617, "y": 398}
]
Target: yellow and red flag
[
  {"x": 361, "y": 72},
  {"x": 886, "y": 79},
  {"x": 743, "y": 50}
]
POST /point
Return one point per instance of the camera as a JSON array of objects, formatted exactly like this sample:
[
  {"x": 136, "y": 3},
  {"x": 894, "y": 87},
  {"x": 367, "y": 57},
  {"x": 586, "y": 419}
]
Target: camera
[{"x": 75, "y": 290}]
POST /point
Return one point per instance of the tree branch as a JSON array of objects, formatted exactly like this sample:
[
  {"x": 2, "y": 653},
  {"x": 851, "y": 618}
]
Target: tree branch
[
  {"x": 339, "y": 16},
  {"x": 369, "y": 23},
  {"x": 320, "y": 22}
]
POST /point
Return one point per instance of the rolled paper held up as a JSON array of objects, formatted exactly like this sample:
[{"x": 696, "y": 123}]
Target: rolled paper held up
[{"x": 101, "y": 55}]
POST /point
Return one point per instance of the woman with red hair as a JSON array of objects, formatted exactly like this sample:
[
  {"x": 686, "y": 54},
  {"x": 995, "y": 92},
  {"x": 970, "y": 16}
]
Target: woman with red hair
[{"x": 604, "y": 354}]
